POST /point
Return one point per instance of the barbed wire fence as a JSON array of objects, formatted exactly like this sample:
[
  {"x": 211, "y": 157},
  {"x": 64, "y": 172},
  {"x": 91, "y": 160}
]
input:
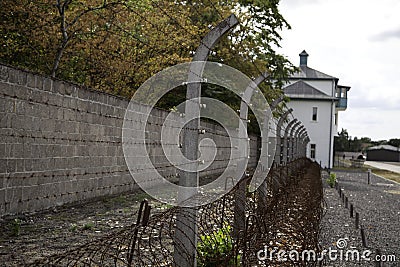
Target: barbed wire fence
[{"x": 237, "y": 229}]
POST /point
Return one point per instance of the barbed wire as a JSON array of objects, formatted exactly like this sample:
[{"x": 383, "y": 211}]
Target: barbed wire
[{"x": 150, "y": 241}]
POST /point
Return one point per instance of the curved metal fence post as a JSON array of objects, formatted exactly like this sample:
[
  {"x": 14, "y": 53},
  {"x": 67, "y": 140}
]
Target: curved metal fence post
[
  {"x": 240, "y": 194},
  {"x": 263, "y": 188},
  {"x": 291, "y": 140},
  {"x": 306, "y": 145},
  {"x": 285, "y": 140},
  {"x": 300, "y": 143},
  {"x": 279, "y": 148},
  {"x": 303, "y": 140},
  {"x": 186, "y": 222},
  {"x": 296, "y": 141}
]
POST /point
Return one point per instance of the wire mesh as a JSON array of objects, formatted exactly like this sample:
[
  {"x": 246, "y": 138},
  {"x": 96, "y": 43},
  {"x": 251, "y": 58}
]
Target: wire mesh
[{"x": 287, "y": 217}]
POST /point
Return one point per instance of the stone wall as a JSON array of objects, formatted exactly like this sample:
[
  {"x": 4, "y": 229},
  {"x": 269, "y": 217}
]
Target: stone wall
[{"x": 61, "y": 143}]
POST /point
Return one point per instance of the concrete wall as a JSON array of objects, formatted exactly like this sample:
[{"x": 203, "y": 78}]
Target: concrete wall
[{"x": 61, "y": 143}]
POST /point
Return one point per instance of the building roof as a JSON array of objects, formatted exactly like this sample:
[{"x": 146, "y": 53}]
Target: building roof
[
  {"x": 306, "y": 72},
  {"x": 385, "y": 147},
  {"x": 303, "y": 89}
]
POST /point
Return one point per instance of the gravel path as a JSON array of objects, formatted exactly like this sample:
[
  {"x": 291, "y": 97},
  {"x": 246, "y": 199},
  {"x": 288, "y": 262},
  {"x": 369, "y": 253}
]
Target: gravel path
[
  {"x": 53, "y": 231},
  {"x": 378, "y": 205}
]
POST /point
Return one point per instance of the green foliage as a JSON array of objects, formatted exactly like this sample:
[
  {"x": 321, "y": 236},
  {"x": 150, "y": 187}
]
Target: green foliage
[
  {"x": 216, "y": 249},
  {"x": 331, "y": 180},
  {"x": 16, "y": 227},
  {"x": 116, "y": 45},
  {"x": 394, "y": 142},
  {"x": 88, "y": 226},
  {"x": 73, "y": 227},
  {"x": 344, "y": 142}
]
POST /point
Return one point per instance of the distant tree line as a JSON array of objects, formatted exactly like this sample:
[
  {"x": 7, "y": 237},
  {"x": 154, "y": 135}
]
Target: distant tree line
[{"x": 344, "y": 142}]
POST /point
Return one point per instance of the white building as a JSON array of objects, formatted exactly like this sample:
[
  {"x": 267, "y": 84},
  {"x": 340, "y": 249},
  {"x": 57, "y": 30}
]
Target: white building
[{"x": 316, "y": 99}]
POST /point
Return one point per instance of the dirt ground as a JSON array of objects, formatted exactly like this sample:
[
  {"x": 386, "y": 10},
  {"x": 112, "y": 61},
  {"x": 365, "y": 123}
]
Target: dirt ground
[{"x": 28, "y": 237}]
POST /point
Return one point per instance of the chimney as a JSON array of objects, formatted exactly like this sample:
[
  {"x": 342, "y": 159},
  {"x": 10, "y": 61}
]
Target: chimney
[{"x": 303, "y": 58}]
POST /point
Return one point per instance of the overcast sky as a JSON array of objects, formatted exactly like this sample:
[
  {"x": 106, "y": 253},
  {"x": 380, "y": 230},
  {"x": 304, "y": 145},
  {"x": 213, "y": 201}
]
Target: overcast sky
[{"x": 358, "y": 42}]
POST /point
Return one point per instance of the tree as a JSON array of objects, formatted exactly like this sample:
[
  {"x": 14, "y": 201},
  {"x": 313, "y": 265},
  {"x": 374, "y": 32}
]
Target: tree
[
  {"x": 379, "y": 142},
  {"x": 394, "y": 142},
  {"x": 355, "y": 145},
  {"x": 341, "y": 142},
  {"x": 115, "y": 45}
]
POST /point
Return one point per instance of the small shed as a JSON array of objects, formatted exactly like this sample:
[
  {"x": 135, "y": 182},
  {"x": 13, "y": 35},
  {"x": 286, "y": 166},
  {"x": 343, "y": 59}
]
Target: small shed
[{"x": 384, "y": 153}]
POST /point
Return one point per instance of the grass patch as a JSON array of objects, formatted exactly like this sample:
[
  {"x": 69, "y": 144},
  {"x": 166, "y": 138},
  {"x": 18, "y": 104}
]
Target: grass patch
[
  {"x": 15, "y": 227},
  {"x": 342, "y": 168},
  {"x": 384, "y": 173},
  {"x": 387, "y": 174},
  {"x": 88, "y": 226},
  {"x": 140, "y": 196}
]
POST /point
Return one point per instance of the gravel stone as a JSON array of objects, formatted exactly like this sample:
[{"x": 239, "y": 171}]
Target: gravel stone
[{"x": 378, "y": 205}]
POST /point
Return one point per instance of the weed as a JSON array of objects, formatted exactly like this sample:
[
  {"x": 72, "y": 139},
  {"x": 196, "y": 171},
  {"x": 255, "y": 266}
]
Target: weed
[
  {"x": 16, "y": 227},
  {"x": 216, "y": 249},
  {"x": 331, "y": 180},
  {"x": 73, "y": 227},
  {"x": 165, "y": 206},
  {"x": 88, "y": 226}
]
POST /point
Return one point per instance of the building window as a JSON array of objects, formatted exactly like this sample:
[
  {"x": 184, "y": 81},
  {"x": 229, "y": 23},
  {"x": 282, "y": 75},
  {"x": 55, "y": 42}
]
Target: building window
[
  {"x": 336, "y": 118},
  {"x": 312, "y": 151},
  {"x": 314, "y": 113}
]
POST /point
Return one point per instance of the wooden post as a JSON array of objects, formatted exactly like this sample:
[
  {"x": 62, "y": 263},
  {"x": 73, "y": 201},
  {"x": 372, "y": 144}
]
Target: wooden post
[
  {"x": 369, "y": 176},
  {"x": 357, "y": 220},
  {"x": 363, "y": 238},
  {"x": 351, "y": 211}
]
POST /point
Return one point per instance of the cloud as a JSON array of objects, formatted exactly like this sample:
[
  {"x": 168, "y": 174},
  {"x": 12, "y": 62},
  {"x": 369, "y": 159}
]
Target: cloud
[
  {"x": 380, "y": 102},
  {"x": 370, "y": 122},
  {"x": 386, "y": 35},
  {"x": 302, "y": 3}
]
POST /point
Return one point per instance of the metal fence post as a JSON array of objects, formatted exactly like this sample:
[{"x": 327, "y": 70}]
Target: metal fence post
[
  {"x": 296, "y": 141},
  {"x": 291, "y": 140},
  {"x": 369, "y": 176},
  {"x": 186, "y": 223},
  {"x": 240, "y": 194},
  {"x": 285, "y": 140},
  {"x": 302, "y": 135},
  {"x": 304, "y": 148},
  {"x": 306, "y": 145},
  {"x": 279, "y": 150},
  {"x": 263, "y": 188}
]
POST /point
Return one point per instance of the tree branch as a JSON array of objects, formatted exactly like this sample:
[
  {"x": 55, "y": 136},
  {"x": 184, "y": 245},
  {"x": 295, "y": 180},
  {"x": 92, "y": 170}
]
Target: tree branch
[{"x": 65, "y": 26}]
